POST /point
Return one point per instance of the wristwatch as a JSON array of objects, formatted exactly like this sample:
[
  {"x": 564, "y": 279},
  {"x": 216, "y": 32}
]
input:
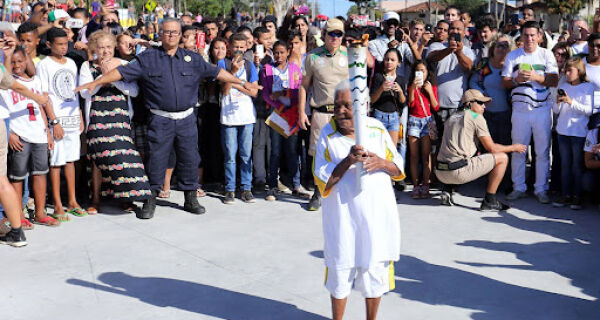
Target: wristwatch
[
  {"x": 53, "y": 122},
  {"x": 243, "y": 83}
]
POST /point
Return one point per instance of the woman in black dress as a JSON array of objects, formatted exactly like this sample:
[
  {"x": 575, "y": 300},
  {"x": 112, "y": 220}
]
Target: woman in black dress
[{"x": 117, "y": 167}]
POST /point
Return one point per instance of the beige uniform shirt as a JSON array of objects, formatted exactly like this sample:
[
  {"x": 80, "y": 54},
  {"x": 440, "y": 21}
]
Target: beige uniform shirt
[
  {"x": 326, "y": 72},
  {"x": 461, "y": 133}
]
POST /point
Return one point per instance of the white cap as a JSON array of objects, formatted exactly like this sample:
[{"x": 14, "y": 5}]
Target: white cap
[{"x": 391, "y": 15}]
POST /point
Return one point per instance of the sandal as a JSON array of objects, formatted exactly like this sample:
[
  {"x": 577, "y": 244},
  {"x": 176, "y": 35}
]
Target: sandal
[
  {"x": 77, "y": 211},
  {"x": 164, "y": 194},
  {"x": 93, "y": 209},
  {"x": 61, "y": 217},
  {"x": 200, "y": 193},
  {"x": 47, "y": 221},
  {"x": 128, "y": 207},
  {"x": 26, "y": 224}
]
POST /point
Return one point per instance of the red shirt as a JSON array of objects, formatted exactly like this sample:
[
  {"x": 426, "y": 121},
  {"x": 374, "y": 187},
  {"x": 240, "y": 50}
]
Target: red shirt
[{"x": 415, "y": 109}]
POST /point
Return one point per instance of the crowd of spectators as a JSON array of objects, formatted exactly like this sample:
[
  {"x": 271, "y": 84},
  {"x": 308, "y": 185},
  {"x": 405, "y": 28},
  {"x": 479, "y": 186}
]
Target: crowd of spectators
[{"x": 260, "y": 139}]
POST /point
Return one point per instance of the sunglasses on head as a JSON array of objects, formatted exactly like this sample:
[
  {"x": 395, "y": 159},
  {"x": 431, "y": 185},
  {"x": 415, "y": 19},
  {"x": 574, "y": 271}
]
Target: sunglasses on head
[{"x": 335, "y": 34}]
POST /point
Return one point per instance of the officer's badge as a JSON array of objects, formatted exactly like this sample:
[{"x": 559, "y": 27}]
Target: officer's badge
[{"x": 187, "y": 58}]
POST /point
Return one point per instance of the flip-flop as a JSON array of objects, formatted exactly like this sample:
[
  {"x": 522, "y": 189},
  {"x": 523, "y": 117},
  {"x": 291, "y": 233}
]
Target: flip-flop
[
  {"x": 26, "y": 224},
  {"x": 92, "y": 210},
  {"x": 164, "y": 194},
  {"x": 77, "y": 211},
  {"x": 61, "y": 217},
  {"x": 200, "y": 193},
  {"x": 47, "y": 221}
]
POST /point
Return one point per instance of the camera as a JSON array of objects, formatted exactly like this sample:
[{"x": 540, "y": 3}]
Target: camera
[{"x": 428, "y": 28}]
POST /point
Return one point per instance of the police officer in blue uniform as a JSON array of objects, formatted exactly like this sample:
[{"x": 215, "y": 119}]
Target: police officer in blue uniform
[{"x": 169, "y": 77}]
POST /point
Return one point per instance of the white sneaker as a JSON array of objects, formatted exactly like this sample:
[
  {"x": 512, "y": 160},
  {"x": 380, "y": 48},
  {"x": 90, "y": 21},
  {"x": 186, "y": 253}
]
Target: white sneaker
[
  {"x": 516, "y": 194},
  {"x": 542, "y": 197}
]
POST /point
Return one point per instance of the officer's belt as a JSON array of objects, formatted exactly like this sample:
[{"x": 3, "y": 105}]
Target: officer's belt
[
  {"x": 173, "y": 115},
  {"x": 449, "y": 166},
  {"x": 328, "y": 108}
]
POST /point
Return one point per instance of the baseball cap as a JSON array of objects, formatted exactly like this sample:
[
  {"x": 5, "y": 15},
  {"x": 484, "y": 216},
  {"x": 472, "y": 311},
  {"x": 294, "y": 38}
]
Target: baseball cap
[
  {"x": 474, "y": 95},
  {"x": 57, "y": 14},
  {"x": 391, "y": 15},
  {"x": 334, "y": 25}
]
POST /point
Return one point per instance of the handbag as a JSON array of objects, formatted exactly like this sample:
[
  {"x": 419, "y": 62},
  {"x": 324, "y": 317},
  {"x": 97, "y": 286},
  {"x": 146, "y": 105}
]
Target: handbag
[{"x": 431, "y": 125}]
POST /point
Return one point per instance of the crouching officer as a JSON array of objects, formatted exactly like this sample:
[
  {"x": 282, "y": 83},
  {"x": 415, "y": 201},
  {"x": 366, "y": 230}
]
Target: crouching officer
[
  {"x": 457, "y": 163},
  {"x": 169, "y": 77}
]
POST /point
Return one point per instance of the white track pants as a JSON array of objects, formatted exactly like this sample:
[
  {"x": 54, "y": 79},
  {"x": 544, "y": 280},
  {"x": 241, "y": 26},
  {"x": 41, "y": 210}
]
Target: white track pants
[{"x": 537, "y": 121}]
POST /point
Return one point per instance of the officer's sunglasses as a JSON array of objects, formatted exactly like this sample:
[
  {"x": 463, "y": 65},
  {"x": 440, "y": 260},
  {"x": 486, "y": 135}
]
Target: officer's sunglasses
[
  {"x": 335, "y": 34},
  {"x": 479, "y": 102}
]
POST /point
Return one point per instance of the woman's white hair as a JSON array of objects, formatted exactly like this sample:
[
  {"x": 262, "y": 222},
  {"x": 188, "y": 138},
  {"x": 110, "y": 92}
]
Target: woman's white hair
[{"x": 340, "y": 87}]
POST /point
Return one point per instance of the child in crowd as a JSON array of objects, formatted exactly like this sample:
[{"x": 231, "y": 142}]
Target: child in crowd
[
  {"x": 57, "y": 74},
  {"x": 8, "y": 198},
  {"x": 281, "y": 81},
  {"x": 387, "y": 97},
  {"x": 422, "y": 97},
  {"x": 29, "y": 139},
  {"x": 28, "y": 36},
  {"x": 573, "y": 106},
  {"x": 263, "y": 37},
  {"x": 260, "y": 140},
  {"x": 238, "y": 117}
]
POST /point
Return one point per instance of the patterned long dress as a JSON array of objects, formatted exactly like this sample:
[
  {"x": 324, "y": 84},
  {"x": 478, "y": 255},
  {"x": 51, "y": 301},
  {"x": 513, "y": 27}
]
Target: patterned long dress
[{"x": 111, "y": 148}]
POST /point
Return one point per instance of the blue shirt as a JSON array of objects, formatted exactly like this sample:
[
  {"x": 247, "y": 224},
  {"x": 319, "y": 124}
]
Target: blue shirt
[{"x": 168, "y": 83}]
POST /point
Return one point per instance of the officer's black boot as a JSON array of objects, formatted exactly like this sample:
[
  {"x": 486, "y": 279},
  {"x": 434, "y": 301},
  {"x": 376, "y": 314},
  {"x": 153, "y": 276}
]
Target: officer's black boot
[
  {"x": 148, "y": 208},
  {"x": 191, "y": 203}
]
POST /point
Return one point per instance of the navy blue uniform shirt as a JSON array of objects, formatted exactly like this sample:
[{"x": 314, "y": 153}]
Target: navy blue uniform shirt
[{"x": 168, "y": 83}]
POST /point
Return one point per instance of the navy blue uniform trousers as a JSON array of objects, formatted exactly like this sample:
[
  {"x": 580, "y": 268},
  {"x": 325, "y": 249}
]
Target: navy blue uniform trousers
[{"x": 164, "y": 134}]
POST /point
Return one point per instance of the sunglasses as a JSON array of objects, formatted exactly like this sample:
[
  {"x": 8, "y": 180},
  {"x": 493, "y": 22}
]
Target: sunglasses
[
  {"x": 479, "y": 102},
  {"x": 392, "y": 23},
  {"x": 502, "y": 45},
  {"x": 335, "y": 34}
]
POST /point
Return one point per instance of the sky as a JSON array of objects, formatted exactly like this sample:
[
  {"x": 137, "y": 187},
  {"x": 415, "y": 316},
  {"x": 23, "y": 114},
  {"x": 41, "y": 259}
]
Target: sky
[{"x": 332, "y": 8}]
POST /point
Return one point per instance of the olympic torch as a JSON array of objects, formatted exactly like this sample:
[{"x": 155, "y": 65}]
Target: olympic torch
[{"x": 357, "y": 69}]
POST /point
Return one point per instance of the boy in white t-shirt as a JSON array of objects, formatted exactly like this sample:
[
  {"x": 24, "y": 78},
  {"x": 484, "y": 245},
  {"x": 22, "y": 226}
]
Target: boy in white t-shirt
[
  {"x": 8, "y": 198},
  {"x": 29, "y": 138},
  {"x": 237, "y": 118},
  {"x": 58, "y": 76}
]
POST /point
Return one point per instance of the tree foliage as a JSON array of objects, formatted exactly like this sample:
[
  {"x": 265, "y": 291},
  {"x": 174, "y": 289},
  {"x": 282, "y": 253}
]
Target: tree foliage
[
  {"x": 565, "y": 6},
  {"x": 471, "y": 6}
]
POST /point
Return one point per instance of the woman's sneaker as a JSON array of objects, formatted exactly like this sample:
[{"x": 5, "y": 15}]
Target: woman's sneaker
[
  {"x": 425, "y": 192},
  {"x": 576, "y": 204},
  {"x": 416, "y": 192},
  {"x": 562, "y": 201},
  {"x": 15, "y": 238},
  {"x": 271, "y": 194},
  {"x": 247, "y": 196},
  {"x": 229, "y": 197}
]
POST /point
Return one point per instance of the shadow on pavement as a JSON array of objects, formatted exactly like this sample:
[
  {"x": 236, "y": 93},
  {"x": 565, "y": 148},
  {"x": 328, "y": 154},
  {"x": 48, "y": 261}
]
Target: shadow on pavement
[
  {"x": 573, "y": 255},
  {"x": 195, "y": 297},
  {"x": 491, "y": 299}
]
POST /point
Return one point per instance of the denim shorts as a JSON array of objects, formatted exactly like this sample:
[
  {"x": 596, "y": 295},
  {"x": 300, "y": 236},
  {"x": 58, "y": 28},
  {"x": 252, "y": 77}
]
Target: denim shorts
[
  {"x": 417, "y": 127},
  {"x": 390, "y": 120}
]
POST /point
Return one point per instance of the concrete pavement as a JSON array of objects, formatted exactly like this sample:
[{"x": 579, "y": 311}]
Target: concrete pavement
[{"x": 264, "y": 261}]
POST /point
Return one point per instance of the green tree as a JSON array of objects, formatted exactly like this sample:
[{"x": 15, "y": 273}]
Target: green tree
[
  {"x": 565, "y": 6},
  {"x": 471, "y": 6}
]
